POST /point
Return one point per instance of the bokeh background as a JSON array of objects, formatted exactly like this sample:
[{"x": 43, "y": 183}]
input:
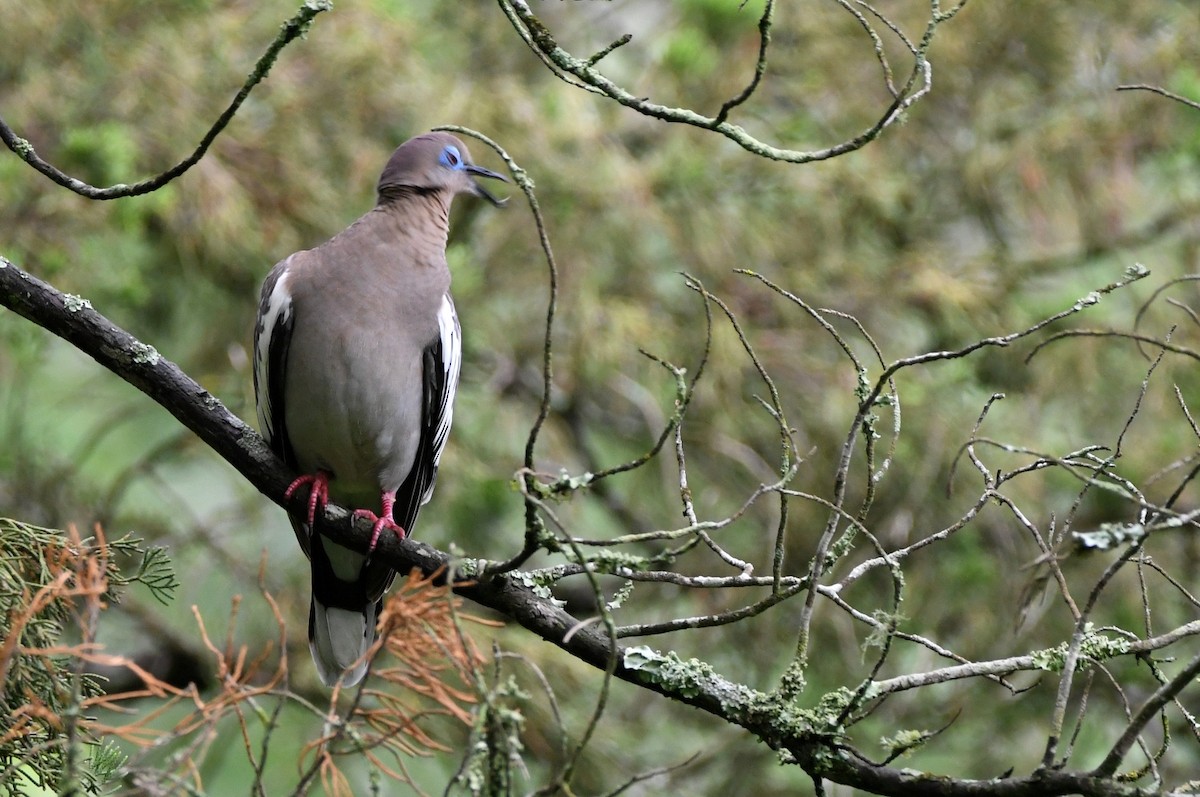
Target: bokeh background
[{"x": 1020, "y": 184}]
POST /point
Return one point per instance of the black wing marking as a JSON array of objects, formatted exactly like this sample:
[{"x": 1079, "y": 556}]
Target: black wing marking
[
  {"x": 441, "y": 362},
  {"x": 272, "y": 340}
]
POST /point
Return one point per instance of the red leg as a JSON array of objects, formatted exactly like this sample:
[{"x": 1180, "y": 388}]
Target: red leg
[
  {"x": 382, "y": 521},
  {"x": 318, "y": 492}
]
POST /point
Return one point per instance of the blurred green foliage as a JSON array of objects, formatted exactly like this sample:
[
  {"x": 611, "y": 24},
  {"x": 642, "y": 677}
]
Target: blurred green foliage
[{"x": 1021, "y": 183}]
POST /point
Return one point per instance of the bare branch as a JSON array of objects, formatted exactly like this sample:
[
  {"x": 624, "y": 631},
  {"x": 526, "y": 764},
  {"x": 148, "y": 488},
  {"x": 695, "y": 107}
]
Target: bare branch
[
  {"x": 292, "y": 29},
  {"x": 1159, "y": 90},
  {"x": 1166, "y": 693},
  {"x": 760, "y": 66}
]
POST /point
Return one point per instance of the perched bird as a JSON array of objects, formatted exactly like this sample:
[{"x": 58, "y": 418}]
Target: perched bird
[{"x": 356, "y": 358}]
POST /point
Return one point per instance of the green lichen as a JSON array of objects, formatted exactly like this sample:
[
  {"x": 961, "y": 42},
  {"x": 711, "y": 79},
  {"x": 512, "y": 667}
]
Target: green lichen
[
  {"x": 23, "y": 148},
  {"x": 74, "y": 304},
  {"x": 615, "y": 562},
  {"x": 688, "y": 678},
  {"x": 543, "y": 577},
  {"x": 1099, "y": 647},
  {"x": 793, "y": 682},
  {"x": 842, "y": 546},
  {"x": 144, "y": 355},
  {"x": 567, "y": 483},
  {"x": 786, "y": 719},
  {"x": 887, "y": 622},
  {"x": 1109, "y": 536},
  {"x": 830, "y": 707},
  {"x": 904, "y": 742},
  {"x": 771, "y": 716},
  {"x": 862, "y": 386},
  {"x": 495, "y": 752},
  {"x": 540, "y": 581},
  {"x": 1050, "y": 659},
  {"x": 561, "y": 488},
  {"x": 1094, "y": 646},
  {"x": 620, "y": 596}
]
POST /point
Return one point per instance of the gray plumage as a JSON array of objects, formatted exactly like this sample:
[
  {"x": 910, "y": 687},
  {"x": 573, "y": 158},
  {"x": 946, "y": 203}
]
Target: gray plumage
[{"x": 356, "y": 360}]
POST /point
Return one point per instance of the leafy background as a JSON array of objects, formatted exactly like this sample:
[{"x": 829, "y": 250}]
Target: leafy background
[{"x": 1023, "y": 182}]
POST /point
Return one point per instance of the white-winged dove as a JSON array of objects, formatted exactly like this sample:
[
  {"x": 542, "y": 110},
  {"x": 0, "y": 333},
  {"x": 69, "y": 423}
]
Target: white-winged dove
[{"x": 356, "y": 359}]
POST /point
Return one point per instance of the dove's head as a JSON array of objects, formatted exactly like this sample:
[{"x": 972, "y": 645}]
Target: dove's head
[{"x": 434, "y": 163}]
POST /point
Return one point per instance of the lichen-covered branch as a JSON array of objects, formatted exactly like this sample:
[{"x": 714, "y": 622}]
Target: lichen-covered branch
[
  {"x": 582, "y": 73},
  {"x": 809, "y": 737}
]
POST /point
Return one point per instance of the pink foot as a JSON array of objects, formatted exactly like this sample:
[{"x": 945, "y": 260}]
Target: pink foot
[
  {"x": 381, "y": 522},
  {"x": 318, "y": 492}
]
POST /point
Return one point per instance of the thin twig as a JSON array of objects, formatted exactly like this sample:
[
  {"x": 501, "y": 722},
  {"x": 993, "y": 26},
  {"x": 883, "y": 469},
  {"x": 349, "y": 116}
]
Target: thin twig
[
  {"x": 1163, "y": 695},
  {"x": 522, "y": 180},
  {"x": 760, "y": 65},
  {"x": 1159, "y": 90},
  {"x": 294, "y": 28}
]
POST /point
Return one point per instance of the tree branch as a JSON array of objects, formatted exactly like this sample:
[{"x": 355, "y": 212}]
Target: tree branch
[
  {"x": 1159, "y": 90},
  {"x": 779, "y": 723},
  {"x": 295, "y": 27},
  {"x": 581, "y": 73}
]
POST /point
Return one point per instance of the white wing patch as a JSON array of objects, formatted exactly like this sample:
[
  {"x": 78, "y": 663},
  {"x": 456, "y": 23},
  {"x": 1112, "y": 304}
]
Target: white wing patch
[
  {"x": 274, "y": 315},
  {"x": 451, "y": 334}
]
